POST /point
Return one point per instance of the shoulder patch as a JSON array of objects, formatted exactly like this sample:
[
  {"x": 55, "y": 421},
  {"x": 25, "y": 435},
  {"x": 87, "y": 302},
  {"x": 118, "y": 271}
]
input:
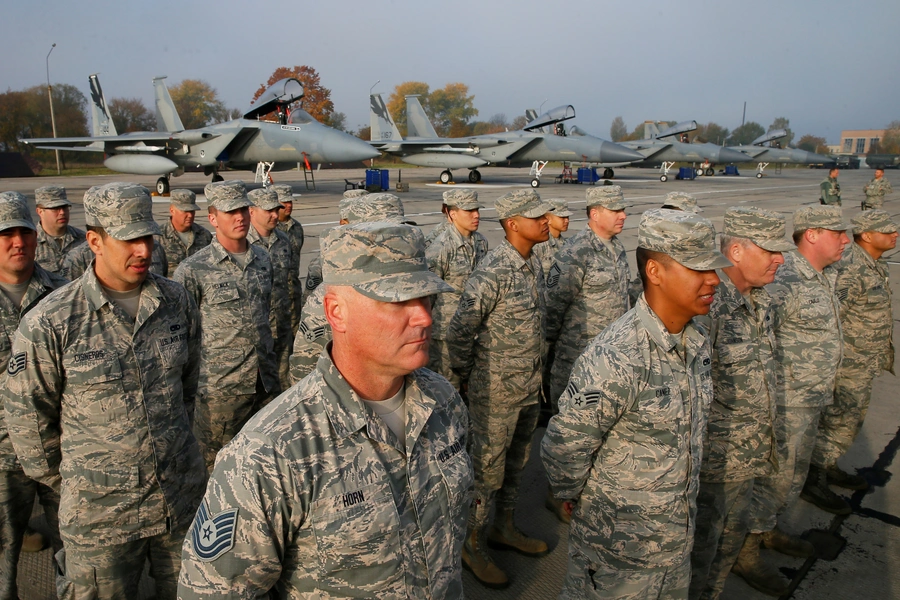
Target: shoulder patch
[
  {"x": 467, "y": 303},
  {"x": 16, "y": 364},
  {"x": 213, "y": 536}
]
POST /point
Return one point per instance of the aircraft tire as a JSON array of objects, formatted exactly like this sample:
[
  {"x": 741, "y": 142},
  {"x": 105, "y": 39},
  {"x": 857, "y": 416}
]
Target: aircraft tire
[
  {"x": 535, "y": 183},
  {"x": 162, "y": 186},
  {"x": 663, "y": 178},
  {"x": 608, "y": 173},
  {"x": 759, "y": 175},
  {"x": 474, "y": 176},
  {"x": 698, "y": 172},
  {"x": 710, "y": 172},
  {"x": 446, "y": 176}
]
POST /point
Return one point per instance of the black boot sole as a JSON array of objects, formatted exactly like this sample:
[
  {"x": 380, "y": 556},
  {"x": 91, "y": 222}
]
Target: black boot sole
[{"x": 501, "y": 546}]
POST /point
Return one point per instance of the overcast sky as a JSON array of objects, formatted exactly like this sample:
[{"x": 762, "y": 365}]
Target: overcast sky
[{"x": 826, "y": 65}]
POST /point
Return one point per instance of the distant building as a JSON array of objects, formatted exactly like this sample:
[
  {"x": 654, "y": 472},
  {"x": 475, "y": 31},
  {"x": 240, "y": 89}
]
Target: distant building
[{"x": 860, "y": 141}]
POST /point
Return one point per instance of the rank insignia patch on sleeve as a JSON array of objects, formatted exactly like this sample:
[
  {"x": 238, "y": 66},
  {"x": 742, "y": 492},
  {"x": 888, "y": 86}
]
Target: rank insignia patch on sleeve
[
  {"x": 16, "y": 364},
  {"x": 213, "y": 535}
]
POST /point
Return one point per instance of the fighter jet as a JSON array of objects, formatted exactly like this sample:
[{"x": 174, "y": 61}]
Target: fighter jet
[
  {"x": 757, "y": 151},
  {"x": 238, "y": 144},
  {"x": 656, "y": 149},
  {"x": 528, "y": 146}
]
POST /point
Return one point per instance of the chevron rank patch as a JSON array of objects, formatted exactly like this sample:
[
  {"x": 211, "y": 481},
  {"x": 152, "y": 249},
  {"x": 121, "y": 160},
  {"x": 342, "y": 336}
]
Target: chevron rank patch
[
  {"x": 213, "y": 535},
  {"x": 16, "y": 364},
  {"x": 553, "y": 276}
]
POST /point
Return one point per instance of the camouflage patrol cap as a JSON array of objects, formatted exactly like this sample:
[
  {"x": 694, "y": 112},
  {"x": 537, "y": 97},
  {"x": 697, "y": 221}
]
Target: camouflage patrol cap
[
  {"x": 876, "y": 220},
  {"x": 227, "y": 195},
  {"x": 374, "y": 207},
  {"x": 284, "y": 191},
  {"x": 607, "y": 196},
  {"x": 462, "y": 198},
  {"x": 123, "y": 210},
  {"x": 14, "y": 211},
  {"x": 688, "y": 238},
  {"x": 762, "y": 227},
  {"x": 51, "y": 196},
  {"x": 560, "y": 207},
  {"x": 384, "y": 261},
  {"x": 264, "y": 198},
  {"x": 355, "y": 193},
  {"x": 184, "y": 200},
  {"x": 525, "y": 203},
  {"x": 681, "y": 201},
  {"x": 819, "y": 217}
]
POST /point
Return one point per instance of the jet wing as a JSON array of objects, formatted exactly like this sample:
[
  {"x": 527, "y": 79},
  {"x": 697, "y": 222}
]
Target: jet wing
[{"x": 145, "y": 141}]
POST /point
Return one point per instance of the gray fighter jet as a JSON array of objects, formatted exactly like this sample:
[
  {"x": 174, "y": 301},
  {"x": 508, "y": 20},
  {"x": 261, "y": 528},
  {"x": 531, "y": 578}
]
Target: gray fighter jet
[
  {"x": 238, "y": 144},
  {"x": 527, "y": 147},
  {"x": 765, "y": 150},
  {"x": 658, "y": 150}
]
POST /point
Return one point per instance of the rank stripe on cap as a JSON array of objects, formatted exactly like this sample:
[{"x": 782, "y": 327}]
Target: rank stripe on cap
[{"x": 213, "y": 536}]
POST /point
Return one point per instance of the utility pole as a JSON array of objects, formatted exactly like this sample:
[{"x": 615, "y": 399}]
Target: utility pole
[{"x": 50, "y": 96}]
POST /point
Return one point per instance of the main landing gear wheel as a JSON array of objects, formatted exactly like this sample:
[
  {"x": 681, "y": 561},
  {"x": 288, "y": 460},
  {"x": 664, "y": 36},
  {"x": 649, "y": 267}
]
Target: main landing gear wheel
[
  {"x": 698, "y": 172},
  {"x": 663, "y": 178},
  {"x": 162, "y": 186},
  {"x": 217, "y": 178},
  {"x": 759, "y": 175},
  {"x": 710, "y": 172},
  {"x": 608, "y": 173},
  {"x": 446, "y": 176},
  {"x": 474, "y": 176},
  {"x": 535, "y": 183}
]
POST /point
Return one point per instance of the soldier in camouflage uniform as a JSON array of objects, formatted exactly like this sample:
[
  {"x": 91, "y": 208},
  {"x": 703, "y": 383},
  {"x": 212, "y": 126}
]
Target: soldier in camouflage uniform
[
  {"x": 99, "y": 402},
  {"x": 740, "y": 436},
  {"x": 497, "y": 347},
  {"x": 558, "y": 220},
  {"x": 56, "y": 238},
  {"x": 452, "y": 256},
  {"x": 265, "y": 234},
  {"x": 356, "y": 482},
  {"x": 23, "y": 283},
  {"x": 314, "y": 332},
  {"x": 314, "y": 270},
  {"x": 624, "y": 451},
  {"x": 294, "y": 230},
  {"x": 875, "y": 190},
  {"x": 181, "y": 236},
  {"x": 231, "y": 282},
  {"x": 807, "y": 354},
  {"x": 439, "y": 228},
  {"x": 830, "y": 189},
  {"x": 864, "y": 293},
  {"x": 681, "y": 201}
]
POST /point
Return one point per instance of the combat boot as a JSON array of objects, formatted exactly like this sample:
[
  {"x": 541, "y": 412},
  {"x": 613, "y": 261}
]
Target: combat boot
[
  {"x": 759, "y": 574},
  {"x": 791, "y": 545},
  {"x": 504, "y": 535},
  {"x": 555, "y": 506},
  {"x": 837, "y": 476},
  {"x": 816, "y": 491},
  {"x": 476, "y": 559},
  {"x": 33, "y": 541}
]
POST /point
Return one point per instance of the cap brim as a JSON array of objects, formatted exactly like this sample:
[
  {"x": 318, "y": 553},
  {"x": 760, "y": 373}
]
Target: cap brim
[
  {"x": 404, "y": 286},
  {"x": 54, "y": 204},
  {"x": 186, "y": 207},
  {"x": 132, "y": 231},
  {"x": 705, "y": 260},
  {"x": 780, "y": 245},
  {"x": 17, "y": 223},
  {"x": 230, "y": 205},
  {"x": 562, "y": 213},
  {"x": 538, "y": 211},
  {"x": 273, "y": 206},
  {"x": 474, "y": 206}
]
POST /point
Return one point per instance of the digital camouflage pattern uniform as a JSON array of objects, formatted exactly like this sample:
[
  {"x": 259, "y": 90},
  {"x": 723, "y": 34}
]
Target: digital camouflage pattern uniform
[
  {"x": 317, "y": 496},
  {"x": 99, "y": 408},
  {"x": 294, "y": 231},
  {"x": 278, "y": 245},
  {"x": 238, "y": 364},
  {"x": 547, "y": 251},
  {"x": 740, "y": 443},
  {"x": 875, "y": 192},
  {"x": 80, "y": 258},
  {"x": 50, "y": 252},
  {"x": 587, "y": 289},
  {"x": 172, "y": 244},
  {"x": 452, "y": 257},
  {"x": 497, "y": 345},
  {"x": 830, "y": 191},
  {"x": 314, "y": 331},
  {"x": 17, "y": 492},
  {"x": 627, "y": 442},
  {"x": 437, "y": 230},
  {"x": 864, "y": 293},
  {"x": 808, "y": 351}
]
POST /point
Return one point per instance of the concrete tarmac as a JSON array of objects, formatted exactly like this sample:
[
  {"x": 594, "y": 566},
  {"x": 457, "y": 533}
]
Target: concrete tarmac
[{"x": 856, "y": 552}]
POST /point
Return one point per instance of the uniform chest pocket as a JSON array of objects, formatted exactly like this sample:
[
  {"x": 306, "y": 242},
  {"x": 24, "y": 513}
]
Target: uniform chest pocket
[
  {"x": 878, "y": 295},
  {"x": 739, "y": 372},
  {"x": 173, "y": 349},
  {"x": 456, "y": 471},
  {"x": 357, "y": 535},
  {"x": 94, "y": 379},
  {"x": 817, "y": 315},
  {"x": 222, "y": 292}
]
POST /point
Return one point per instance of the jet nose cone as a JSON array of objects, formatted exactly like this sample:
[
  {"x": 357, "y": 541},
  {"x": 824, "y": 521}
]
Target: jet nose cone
[
  {"x": 347, "y": 148},
  {"x": 614, "y": 153},
  {"x": 728, "y": 156}
]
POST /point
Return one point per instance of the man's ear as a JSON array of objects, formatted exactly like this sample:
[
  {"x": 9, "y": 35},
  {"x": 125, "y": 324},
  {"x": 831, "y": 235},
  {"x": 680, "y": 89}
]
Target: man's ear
[
  {"x": 94, "y": 241},
  {"x": 655, "y": 271},
  {"x": 335, "y": 305}
]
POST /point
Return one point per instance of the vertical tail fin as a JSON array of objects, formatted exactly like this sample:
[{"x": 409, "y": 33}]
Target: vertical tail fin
[
  {"x": 167, "y": 118},
  {"x": 651, "y": 130},
  {"x": 417, "y": 123},
  {"x": 101, "y": 121},
  {"x": 382, "y": 127}
]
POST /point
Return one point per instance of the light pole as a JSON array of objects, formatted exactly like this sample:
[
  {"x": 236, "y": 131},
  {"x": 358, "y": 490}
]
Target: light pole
[{"x": 50, "y": 96}]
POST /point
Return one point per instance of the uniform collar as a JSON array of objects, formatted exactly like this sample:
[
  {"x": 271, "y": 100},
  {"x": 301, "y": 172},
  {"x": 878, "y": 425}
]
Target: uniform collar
[
  {"x": 96, "y": 299},
  {"x": 694, "y": 340}
]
